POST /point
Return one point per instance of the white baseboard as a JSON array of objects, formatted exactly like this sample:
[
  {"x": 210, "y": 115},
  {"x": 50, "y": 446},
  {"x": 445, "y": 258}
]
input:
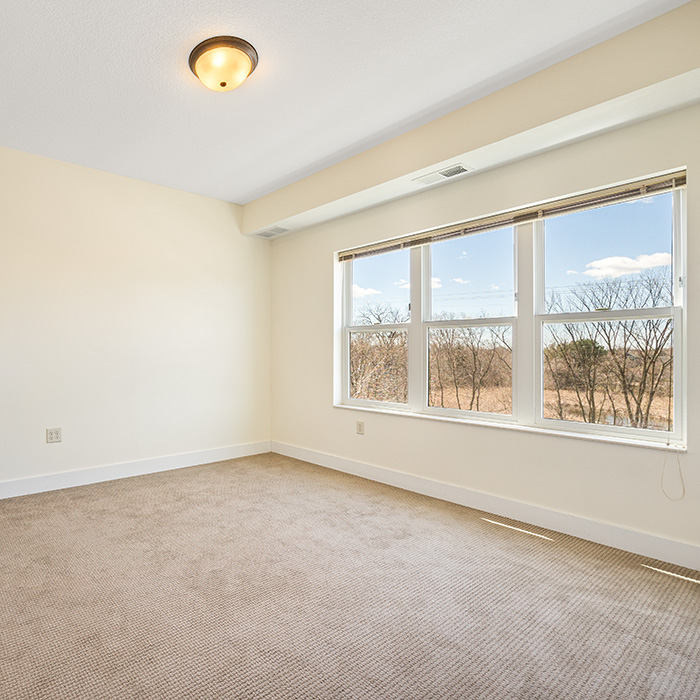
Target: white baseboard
[
  {"x": 107, "y": 472},
  {"x": 647, "y": 545}
]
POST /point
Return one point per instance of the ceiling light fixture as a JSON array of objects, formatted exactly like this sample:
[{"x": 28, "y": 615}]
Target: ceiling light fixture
[{"x": 222, "y": 63}]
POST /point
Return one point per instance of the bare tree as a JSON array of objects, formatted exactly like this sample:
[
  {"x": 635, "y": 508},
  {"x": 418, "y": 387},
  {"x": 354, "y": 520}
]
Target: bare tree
[
  {"x": 379, "y": 359},
  {"x": 615, "y": 372},
  {"x": 618, "y": 370},
  {"x": 475, "y": 361},
  {"x": 374, "y": 314},
  {"x": 574, "y": 361}
]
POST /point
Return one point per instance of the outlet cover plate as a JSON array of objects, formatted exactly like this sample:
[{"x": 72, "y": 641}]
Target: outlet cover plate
[{"x": 53, "y": 435}]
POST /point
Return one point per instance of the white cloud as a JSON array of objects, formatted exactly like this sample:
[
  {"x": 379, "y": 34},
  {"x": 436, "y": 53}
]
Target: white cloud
[
  {"x": 620, "y": 265},
  {"x": 571, "y": 272},
  {"x": 495, "y": 288},
  {"x": 459, "y": 280},
  {"x": 435, "y": 283},
  {"x": 463, "y": 255},
  {"x": 359, "y": 292}
]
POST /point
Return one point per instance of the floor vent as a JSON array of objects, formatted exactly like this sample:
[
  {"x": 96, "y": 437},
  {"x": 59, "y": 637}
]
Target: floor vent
[
  {"x": 442, "y": 175},
  {"x": 272, "y": 232}
]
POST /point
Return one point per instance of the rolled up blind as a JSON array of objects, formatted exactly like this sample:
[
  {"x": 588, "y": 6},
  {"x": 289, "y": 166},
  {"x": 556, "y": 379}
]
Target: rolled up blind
[{"x": 590, "y": 200}]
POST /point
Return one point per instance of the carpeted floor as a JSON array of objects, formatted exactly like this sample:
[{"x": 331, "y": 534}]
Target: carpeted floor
[{"x": 266, "y": 578}]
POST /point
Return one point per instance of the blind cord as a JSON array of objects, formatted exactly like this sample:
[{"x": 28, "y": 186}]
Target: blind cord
[{"x": 680, "y": 475}]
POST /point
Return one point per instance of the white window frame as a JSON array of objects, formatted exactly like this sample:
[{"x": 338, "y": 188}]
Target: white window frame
[
  {"x": 675, "y": 312},
  {"x": 527, "y": 329}
]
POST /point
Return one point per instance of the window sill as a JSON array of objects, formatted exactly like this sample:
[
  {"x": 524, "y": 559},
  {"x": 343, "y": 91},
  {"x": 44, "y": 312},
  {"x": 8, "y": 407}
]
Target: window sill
[{"x": 611, "y": 439}]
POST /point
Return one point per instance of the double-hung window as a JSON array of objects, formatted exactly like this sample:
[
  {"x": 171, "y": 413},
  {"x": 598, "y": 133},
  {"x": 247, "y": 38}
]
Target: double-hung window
[
  {"x": 377, "y": 335},
  {"x": 471, "y": 313},
  {"x": 567, "y": 316},
  {"x": 610, "y": 329}
]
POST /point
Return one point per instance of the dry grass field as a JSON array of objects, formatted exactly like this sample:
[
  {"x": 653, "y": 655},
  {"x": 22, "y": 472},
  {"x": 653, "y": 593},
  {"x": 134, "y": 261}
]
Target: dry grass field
[{"x": 499, "y": 400}]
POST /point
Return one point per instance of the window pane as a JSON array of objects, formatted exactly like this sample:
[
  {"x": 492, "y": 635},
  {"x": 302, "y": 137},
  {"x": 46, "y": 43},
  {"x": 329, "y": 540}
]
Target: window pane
[
  {"x": 380, "y": 288},
  {"x": 610, "y": 372},
  {"x": 379, "y": 366},
  {"x": 614, "y": 257},
  {"x": 471, "y": 369},
  {"x": 472, "y": 277}
]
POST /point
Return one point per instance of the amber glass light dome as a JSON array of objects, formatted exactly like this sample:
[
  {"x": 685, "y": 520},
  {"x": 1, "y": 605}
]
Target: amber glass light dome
[{"x": 222, "y": 63}]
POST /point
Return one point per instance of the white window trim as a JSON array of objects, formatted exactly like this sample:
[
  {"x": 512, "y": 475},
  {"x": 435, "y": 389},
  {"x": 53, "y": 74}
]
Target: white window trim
[{"x": 527, "y": 324}]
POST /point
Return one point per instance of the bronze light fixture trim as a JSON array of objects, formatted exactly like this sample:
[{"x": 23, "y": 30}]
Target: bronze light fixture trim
[{"x": 222, "y": 63}]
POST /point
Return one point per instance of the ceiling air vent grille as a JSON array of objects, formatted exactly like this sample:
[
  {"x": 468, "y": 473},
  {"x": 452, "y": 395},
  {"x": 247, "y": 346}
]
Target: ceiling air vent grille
[
  {"x": 272, "y": 232},
  {"x": 442, "y": 175}
]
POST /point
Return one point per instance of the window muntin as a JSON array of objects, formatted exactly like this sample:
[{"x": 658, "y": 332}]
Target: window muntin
[
  {"x": 470, "y": 368},
  {"x": 532, "y": 325},
  {"x": 614, "y": 257},
  {"x": 473, "y": 276},
  {"x": 381, "y": 289}
]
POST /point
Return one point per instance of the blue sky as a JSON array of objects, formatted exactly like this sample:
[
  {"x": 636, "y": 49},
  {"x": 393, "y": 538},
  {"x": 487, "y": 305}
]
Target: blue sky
[
  {"x": 473, "y": 276},
  {"x": 614, "y": 241}
]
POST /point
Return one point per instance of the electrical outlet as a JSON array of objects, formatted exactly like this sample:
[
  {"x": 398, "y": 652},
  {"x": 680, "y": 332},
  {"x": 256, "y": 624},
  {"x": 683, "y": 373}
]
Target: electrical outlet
[
  {"x": 360, "y": 427},
  {"x": 53, "y": 435}
]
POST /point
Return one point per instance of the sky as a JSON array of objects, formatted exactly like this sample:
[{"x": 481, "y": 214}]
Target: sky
[{"x": 473, "y": 276}]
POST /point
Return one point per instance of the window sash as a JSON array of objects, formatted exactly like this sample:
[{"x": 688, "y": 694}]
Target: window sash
[
  {"x": 347, "y": 364},
  {"x": 465, "y": 412},
  {"x": 428, "y": 287},
  {"x": 676, "y": 315}
]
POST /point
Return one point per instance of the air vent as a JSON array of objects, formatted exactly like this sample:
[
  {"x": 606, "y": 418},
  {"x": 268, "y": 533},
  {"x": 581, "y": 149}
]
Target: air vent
[
  {"x": 272, "y": 232},
  {"x": 442, "y": 175},
  {"x": 454, "y": 170}
]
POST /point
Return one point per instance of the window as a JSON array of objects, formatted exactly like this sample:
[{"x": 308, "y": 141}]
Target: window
[
  {"x": 608, "y": 322},
  {"x": 564, "y": 317},
  {"x": 471, "y": 311},
  {"x": 378, "y": 341}
]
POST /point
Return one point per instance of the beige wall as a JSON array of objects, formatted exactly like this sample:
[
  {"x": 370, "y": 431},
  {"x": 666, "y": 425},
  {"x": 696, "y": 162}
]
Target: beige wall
[
  {"x": 599, "y": 481},
  {"x": 134, "y": 317}
]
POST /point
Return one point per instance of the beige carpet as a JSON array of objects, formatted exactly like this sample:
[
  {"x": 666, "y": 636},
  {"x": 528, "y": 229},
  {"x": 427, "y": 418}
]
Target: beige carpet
[{"x": 265, "y": 578}]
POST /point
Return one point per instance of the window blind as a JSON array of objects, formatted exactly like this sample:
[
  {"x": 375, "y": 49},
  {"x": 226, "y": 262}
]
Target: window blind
[{"x": 565, "y": 205}]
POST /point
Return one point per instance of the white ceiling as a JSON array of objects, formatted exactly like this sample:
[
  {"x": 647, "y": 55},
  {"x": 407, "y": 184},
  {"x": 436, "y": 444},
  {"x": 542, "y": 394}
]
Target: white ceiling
[{"x": 107, "y": 85}]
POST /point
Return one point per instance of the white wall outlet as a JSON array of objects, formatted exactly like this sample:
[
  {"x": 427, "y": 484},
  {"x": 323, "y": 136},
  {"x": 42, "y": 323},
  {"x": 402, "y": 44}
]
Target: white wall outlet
[
  {"x": 53, "y": 435},
  {"x": 360, "y": 427}
]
